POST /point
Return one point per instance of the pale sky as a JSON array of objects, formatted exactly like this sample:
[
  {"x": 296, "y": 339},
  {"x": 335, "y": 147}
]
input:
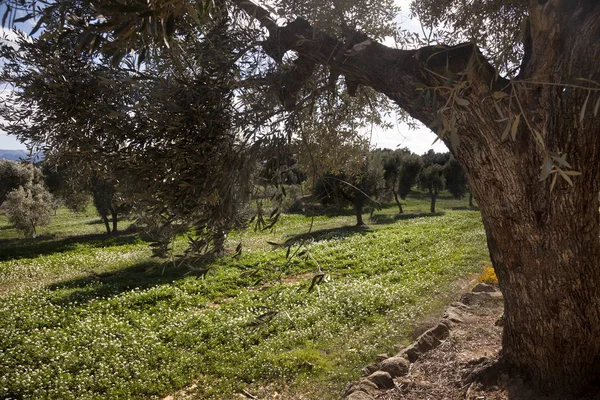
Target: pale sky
[{"x": 417, "y": 140}]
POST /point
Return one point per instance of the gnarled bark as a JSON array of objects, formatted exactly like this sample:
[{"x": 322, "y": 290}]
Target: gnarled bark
[{"x": 544, "y": 245}]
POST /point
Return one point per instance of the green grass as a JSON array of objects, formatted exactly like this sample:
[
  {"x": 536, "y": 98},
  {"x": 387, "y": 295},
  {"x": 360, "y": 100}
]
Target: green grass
[{"x": 143, "y": 331}]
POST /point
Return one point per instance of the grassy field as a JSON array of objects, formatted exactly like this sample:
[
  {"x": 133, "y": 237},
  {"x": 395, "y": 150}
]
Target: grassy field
[{"x": 85, "y": 316}]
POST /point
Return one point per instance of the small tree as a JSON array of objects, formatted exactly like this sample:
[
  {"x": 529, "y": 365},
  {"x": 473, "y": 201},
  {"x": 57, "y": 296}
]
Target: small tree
[
  {"x": 431, "y": 179},
  {"x": 29, "y": 207}
]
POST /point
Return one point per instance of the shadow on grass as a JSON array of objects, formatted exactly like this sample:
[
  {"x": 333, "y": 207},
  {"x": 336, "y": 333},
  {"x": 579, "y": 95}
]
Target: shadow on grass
[
  {"x": 383, "y": 219},
  {"x": 465, "y": 208},
  {"x": 97, "y": 221},
  {"x": 44, "y": 245},
  {"x": 326, "y": 234},
  {"x": 318, "y": 211},
  {"x": 141, "y": 276}
]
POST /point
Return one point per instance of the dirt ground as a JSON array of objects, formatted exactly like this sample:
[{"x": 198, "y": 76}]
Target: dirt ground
[
  {"x": 440, "y": 373},
  {"x": 443, "y": 373}
]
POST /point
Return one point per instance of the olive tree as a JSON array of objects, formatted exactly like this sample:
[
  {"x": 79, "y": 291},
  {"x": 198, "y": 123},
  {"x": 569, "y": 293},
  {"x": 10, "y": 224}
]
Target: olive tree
[
  {"x": 29, "y": 207},
  {"x": 14, "y": 175},
  {"x": 456, "y": 180},
  {"x": 431, "y": 178},
  {"x": 510, "y": 87},
  {"x": 358, "y": 188},
  {"x": 401, "y": 169}
]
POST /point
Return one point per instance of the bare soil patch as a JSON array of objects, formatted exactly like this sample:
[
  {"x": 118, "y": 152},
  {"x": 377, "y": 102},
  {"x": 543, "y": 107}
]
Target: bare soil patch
[{"x": 441, "y": 372}]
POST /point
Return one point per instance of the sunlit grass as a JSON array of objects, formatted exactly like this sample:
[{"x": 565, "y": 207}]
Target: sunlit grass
[{"x": 143, "y": 331}]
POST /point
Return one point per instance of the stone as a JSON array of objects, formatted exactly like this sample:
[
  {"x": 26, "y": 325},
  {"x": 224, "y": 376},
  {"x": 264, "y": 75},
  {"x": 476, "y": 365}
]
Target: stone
[
  {"x": 364, "y": 386},
  {"x": 427, "y": 342},
  {"x": 369, "y": 369},
  {"x": 479, "y": 298},
  {"x": 411, "y": 353},
  {"x": 382, "y": 379},
  {"x": 368, "y": 387},
  {"x": 381, "y": 357},
  {"x": 452, "y": 317},
  {"x": 460, "y": 306},
  {"x": 351, "y": 388},
  {"x": 483, "y": 287},
  {"x": 395, "y": 366},
  {"x": 440, "y": 331},
  {"x": 360, "y": 396}
]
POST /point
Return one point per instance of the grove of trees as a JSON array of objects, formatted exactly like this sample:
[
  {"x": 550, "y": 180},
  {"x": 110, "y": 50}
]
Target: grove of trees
[{"x": 178, "y": 93}]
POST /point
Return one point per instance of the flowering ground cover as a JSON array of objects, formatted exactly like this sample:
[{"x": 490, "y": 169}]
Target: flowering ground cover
[{"x": 99, "y": 319}]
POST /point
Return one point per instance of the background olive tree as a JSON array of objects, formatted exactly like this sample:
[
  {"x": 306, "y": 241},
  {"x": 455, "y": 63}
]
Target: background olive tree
[{"x": 29, "y": 207}]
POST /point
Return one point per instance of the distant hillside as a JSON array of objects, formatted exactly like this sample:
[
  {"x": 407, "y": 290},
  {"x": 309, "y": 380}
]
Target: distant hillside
[{"x": 17, "y": 155}]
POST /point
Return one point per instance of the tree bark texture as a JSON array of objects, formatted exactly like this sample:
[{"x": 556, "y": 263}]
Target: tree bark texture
[{"x": 544, "y": 245}]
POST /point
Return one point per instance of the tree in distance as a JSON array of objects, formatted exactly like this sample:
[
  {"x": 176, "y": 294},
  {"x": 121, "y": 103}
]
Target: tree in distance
[
  {"x": 358, "y": 189},
  {"x": 64, "y": 185},
  {"x": 512, "y": 88},
  {"x": 401, "y": 169},
  {"x": 14, "y": 175},
  {"x": 431, "y": 178},
  {"x": 455, "y": 178},
  {"x": 29, "y": 207}
]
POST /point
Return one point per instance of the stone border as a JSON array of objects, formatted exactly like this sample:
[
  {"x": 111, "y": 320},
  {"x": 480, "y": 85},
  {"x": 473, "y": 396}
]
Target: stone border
[{"x": 380, "y": 375}]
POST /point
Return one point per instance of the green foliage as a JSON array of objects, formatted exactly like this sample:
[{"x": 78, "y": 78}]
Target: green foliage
[
  {"x": 67, "y": 186},
  {"x": 14, "y": 175},
  {"x": 341, "y": 16},
  {"x": 29, "y": 207},
  {"x": 408, "y": 173},
  {"x": 431, "y": 178},
  {"x": 108, "y": 202},
  {"x": 431, "y": 157},
  {"x": 493, "y": 25},
  {"x": 357, "y": 189},
  {"x": 401, "y": 168},
  {"x": 455, "y": 178}
]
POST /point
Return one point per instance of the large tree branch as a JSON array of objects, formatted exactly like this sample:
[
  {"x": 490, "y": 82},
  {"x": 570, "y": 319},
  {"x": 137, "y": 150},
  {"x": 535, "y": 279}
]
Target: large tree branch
[{"x": 399, "y": 74}]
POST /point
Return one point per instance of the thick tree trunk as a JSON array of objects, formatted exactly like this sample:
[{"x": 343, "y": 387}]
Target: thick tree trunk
[
  {"x": 544, "y": 244},
  {"x": 547, "y": 265},
  {"x": 400, "y": 211}
]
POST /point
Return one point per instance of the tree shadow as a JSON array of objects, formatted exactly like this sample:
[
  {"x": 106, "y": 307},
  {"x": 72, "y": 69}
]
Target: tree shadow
[
  {"x": 327, "y": 234},
  {"x": 325, "y": 211},
  {"x": 386, "y": 219},
  {"x": 465, "y": 208},
  {"x": 44, "y": 245},
  {"x": 142, "y": 276},
  {"x": 97, "y": 221}
]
